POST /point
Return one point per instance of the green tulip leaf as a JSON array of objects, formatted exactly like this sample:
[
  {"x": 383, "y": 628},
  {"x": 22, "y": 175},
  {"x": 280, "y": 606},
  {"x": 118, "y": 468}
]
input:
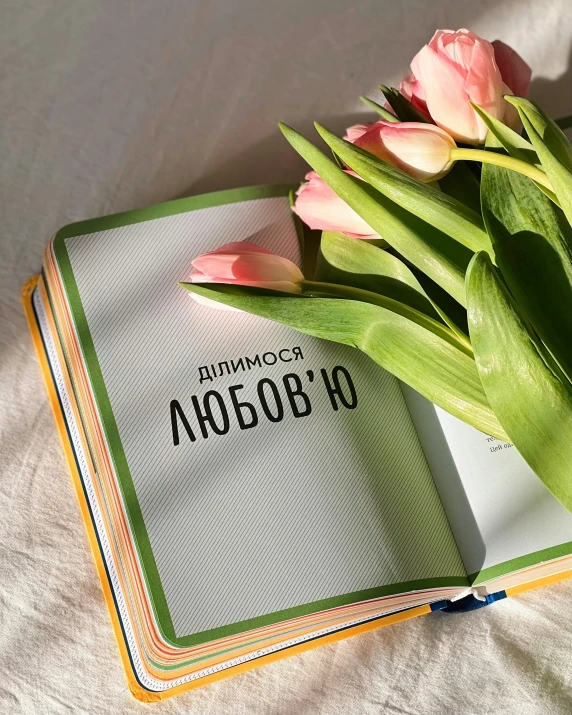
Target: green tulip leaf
[
  {"x": 516, "y": 145},
  {"x": 553, "y": 149},
  {"x": 533, "y": 246},
  {"x": 450, "y": 311},
  {"x": 309, "y": 240},
  {"x": 433, "y": 252},
  {"x": 532, "y": 405},
  {"x": 436, "y": 208},
  {"x": 314, "y": 289},
  {"x": 351, "y": 262},
  {"x": 337, "y": 160},
  {"x": 422, "y": 359},
  {"x": 462, "y": 184},
  {"x": 378, "y": 242},
  {"x": 552, "y": 137},
  {"x": 382, "y": 111}
]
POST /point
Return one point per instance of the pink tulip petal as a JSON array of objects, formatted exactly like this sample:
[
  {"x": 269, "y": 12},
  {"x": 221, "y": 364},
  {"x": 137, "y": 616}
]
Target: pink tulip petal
[
  {"x": 412, "y": 90},
  {"x": 446, "y": 97},
  {"x": 421, "y": 150},
  {"x": 322, "y": 209},
  {"x": 372, "y": 141},
  {"x": 217, "y": 266},
  {"x": 483, "y": 83},
  {"x": 436, "y": 42},
  {"x": 245, "y": 263},
  {"x": 515, "y": 73},
  {"x": 484, "y": 86},
  {"x": 458, "y": 46},
  {"x": 256, "y": 268},
  {"x": 355, "y": 132},
  {"x": 246, "y": 267}
]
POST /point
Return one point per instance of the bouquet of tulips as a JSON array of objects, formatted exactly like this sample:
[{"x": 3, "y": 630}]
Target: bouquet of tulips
[{"x": 438, "y": 240}]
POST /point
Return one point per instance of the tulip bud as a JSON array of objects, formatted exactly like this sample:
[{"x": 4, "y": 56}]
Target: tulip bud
[
  {"x": 242, "y": 263},
  {"x": 457, "y": 68},
  {"x": 420, "y": 150},
  {"x": 322, "y": 209}
]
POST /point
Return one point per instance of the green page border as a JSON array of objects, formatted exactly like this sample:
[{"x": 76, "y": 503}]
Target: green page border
[
  {"x": 135, "y": 517},
  {"x": 521, "y": 562}
]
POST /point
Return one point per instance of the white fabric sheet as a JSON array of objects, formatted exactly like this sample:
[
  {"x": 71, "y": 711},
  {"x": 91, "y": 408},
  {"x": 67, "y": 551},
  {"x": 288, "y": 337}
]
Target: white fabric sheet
[{"x": 107, "y": 106}]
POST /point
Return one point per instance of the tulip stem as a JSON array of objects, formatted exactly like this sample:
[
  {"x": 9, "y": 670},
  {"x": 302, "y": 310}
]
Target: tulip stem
[
  {"x": 315, "y": 289},
  {"x": 508, "y": 162}
]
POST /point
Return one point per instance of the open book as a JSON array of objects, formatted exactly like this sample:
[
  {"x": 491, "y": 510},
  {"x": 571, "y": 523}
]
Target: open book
[{"x": 249, "y": 491}]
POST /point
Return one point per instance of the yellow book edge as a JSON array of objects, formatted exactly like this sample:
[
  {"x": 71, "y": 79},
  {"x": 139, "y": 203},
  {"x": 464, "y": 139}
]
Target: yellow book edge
[{"x": 139, "y": 692}]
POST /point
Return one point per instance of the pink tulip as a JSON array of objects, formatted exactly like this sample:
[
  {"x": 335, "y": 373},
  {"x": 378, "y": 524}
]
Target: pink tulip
[
  {"x": 421, "y": 150},
  {"x": 322, "y": 209},
  {"x": 456, "y": 67},
  {"x": 242, "y": 263}
]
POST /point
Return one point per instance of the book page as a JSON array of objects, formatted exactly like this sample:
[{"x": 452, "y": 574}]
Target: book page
[
  {"x": 502, "y": 515},
  {"x": 274, "y": 473}
]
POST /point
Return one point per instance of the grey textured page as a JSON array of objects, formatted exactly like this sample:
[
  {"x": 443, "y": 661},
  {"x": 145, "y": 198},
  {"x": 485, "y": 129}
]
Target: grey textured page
[{"x": 321, "y": 503}]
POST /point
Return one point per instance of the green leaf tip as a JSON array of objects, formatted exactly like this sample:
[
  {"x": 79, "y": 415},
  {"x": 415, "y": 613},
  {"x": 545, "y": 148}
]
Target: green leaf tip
[
  {"x": 285, "y": 129},
  {"x": 382, "y": 111}
]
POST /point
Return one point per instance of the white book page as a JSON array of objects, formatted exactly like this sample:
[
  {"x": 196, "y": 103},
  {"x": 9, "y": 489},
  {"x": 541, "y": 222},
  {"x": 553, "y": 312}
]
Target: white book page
[
  {"x": 497, "y": 507},
  {"x": 314, "y": 505}
]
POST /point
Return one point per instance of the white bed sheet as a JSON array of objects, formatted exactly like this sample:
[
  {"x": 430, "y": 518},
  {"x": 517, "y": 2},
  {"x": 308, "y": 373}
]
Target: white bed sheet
[{"x": 107, "y": 106}]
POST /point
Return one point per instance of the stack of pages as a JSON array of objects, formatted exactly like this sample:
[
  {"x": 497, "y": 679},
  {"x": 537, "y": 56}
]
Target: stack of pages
[{"x": 249, "y": 491}]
